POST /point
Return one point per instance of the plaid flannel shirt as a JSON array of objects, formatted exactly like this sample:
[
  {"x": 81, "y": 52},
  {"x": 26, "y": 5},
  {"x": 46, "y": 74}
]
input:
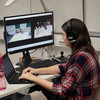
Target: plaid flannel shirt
[{"x": 79, "y": 79}]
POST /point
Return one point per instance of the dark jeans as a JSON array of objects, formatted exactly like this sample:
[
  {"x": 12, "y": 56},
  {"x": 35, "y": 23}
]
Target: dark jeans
[{"x": 49, "y": 95}]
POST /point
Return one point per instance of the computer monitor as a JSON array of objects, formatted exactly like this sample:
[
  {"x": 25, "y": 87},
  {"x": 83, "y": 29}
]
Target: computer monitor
[{"x": 25, "y": 32}]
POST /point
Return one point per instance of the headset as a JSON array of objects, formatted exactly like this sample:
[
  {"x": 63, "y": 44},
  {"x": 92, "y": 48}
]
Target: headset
[{"x": 71, "y": 36}]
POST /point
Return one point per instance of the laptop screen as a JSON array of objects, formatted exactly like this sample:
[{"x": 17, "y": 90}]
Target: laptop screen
[{"x": 9, "y": 69}]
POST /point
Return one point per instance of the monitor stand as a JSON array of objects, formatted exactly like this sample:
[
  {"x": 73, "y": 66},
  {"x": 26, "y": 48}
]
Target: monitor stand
[{"x": 26, "y": 59}]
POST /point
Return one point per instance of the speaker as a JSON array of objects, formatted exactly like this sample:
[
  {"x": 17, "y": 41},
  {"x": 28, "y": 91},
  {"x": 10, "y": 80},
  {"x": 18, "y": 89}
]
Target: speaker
[{"x": 71, "y": 36}]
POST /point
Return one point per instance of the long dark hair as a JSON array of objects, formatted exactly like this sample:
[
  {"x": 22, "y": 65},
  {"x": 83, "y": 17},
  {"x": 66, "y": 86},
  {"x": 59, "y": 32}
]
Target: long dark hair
[{"x": 83, "y": 40}]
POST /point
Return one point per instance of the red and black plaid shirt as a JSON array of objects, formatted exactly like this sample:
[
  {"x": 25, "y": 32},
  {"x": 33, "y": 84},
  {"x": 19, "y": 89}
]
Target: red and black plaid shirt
[{"x": 79, "y": 78}]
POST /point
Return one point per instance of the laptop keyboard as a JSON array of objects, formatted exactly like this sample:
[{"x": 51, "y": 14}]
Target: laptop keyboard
[{"x": 15, "y": 80}]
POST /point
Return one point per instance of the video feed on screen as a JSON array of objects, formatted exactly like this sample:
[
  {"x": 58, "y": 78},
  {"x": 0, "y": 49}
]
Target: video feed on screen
[
  {"x": 18, "y": 32},
  {"x": 43, "y": 28},
  {"x": 29, "y": 31}
]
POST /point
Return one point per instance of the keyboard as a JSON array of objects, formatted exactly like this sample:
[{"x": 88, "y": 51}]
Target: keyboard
[
  {"x": 44, "y": 63},
  {"x": 14, "y": 79},
  {"x": 38, "y": 64}
]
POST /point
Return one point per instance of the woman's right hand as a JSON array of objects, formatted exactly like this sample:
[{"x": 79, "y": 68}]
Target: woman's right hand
[{"x": 29, "y": 70}]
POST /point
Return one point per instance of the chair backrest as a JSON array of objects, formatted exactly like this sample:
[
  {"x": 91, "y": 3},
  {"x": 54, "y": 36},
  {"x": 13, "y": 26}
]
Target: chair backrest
[{"x": 96, "y": 93}]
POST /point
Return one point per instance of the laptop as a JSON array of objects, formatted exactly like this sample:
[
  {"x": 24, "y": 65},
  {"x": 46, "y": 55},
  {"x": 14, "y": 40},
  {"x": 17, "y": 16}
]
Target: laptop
[{"x": 11, "y": 74}]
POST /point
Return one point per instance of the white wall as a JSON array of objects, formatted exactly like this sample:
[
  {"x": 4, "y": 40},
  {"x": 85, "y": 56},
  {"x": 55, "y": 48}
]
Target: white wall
[
  {"x": 2, "y": 47},
  {"x": 63, "y": 10},
  {"x": 17, "y": 8},
  {"x": 92, "y": 15}
]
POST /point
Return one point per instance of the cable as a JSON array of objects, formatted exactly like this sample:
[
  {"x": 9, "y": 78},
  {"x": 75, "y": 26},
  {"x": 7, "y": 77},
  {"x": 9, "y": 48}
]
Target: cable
[
  {"x": 43, "y": 5},
  {"x": 33, "y": 51},
  {"x": 83, "y": 2},
  {"x": 31, "y": 6}
]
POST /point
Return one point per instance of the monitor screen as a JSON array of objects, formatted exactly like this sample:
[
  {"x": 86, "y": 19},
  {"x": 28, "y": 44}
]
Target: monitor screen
[{"x": 26, "y": 32}]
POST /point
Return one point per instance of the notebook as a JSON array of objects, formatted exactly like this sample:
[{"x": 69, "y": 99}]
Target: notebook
[{"x": 11, "y": 74}]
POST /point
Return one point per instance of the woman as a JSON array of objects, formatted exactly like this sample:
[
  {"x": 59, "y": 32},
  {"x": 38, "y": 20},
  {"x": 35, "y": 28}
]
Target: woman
[{"x": 80, "y": 75}]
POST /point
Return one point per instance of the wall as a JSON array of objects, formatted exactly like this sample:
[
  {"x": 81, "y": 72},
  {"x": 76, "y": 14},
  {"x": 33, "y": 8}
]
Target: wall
[
  {"x": 17, "y": 8},
  {"x": 60, "y": 45},
  {"x": 63, "y": 10},
  {"x": 92, "y": 15},
  {"x": 2, "y": 47},
  {"x": 91, "y": 18}
]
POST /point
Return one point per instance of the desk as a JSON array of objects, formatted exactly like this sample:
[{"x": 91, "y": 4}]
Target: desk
[{"x": 13, "y": 88}]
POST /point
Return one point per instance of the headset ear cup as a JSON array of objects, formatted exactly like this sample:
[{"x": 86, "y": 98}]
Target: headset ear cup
[{"x": 68, "y": 32}]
